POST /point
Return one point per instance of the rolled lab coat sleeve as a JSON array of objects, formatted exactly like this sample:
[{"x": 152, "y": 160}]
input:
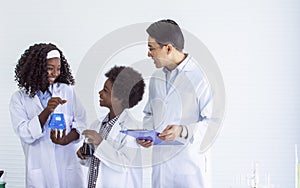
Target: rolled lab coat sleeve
[
  {"x": 119, "y": 155},
  {"x": 205, "y": 104},
  {"x": 28, "y": 129}
]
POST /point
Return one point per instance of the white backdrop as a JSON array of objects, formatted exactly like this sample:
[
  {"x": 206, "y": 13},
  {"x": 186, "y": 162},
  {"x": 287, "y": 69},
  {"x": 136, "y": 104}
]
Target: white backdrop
[{"x": 256, "y": 44}]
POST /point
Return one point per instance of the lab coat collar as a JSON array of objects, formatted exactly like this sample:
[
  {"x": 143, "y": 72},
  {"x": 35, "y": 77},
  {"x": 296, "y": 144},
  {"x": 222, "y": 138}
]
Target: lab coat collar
[
  {"x": 122, "y": 117},
  {"x": 184, "y": 66},
  {"x": 37, "y": 102},
  {"x": 54, "y": 89},
  {"x": 181, "y": 66}
]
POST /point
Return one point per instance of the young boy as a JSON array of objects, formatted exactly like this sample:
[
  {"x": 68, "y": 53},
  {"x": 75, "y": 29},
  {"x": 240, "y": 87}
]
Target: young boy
[{"x": 116, "y": 154}]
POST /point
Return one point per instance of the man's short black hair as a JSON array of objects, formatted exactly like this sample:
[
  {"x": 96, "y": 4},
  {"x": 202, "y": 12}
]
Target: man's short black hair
[{"x": 167, "y": 32}]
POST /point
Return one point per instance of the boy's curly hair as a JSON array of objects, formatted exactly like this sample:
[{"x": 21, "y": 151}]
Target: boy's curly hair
[
  {"x": 127, "y": 84},
  {"x": 31, "y": 70}
]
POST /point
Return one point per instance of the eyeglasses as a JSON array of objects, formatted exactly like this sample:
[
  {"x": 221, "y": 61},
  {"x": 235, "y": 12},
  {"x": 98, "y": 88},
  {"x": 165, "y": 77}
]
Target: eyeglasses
[
  {"x": 158, "y": 47},
  {"x": 152, "y": 48}
]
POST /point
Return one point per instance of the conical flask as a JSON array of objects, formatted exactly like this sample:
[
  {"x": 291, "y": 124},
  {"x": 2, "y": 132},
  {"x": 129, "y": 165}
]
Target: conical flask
[{"x": 57, "y": 121}]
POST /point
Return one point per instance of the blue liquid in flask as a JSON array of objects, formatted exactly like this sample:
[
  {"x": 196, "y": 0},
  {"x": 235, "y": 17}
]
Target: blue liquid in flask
[{"x": 57, "y": 121}]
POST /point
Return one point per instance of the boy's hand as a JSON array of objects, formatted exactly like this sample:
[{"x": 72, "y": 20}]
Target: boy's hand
[{"x": 93, "y": 136}]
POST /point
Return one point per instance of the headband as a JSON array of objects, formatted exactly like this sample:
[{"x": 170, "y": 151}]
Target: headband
[{"x": 53, "y": 54}]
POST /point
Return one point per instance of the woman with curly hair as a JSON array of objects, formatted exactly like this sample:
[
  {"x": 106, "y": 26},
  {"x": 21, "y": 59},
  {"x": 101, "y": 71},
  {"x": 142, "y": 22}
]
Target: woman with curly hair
[{"x": 44, "y": 79}]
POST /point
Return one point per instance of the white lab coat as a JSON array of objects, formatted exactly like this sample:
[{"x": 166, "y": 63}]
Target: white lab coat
[
  {"x": 119, "y": 154},
  {"x": 48, "y": 165},
  {"x": 187, "y": 103}
]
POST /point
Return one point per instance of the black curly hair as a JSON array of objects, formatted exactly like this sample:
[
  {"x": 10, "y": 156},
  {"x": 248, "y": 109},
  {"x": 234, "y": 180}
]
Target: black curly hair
[
  {"x": 31, "y": 70},
  {"x": 127, "y": 84}
]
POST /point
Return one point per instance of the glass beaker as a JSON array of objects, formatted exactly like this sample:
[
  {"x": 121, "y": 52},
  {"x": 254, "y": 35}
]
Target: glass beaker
[{"x": 87, "y": 149}]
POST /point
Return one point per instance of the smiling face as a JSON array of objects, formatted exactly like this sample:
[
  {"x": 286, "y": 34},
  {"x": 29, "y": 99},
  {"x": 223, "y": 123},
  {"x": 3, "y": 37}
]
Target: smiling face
[
  {"x": 106, "y": 96},
  {"x": 53, "y": 69},
  {"x": 157, "y": 53}
]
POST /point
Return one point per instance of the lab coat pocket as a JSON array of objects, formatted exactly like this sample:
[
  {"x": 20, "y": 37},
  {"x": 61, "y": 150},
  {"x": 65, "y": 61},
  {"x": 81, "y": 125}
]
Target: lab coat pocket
[
  {"x": 74, "y": 177},
  {"x": 108, "y": 179},
  {"x": 35, "y": 179},
  {"x": 188, "y": 181}
]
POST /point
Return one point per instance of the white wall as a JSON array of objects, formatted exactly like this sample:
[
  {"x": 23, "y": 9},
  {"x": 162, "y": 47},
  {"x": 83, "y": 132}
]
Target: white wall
[{"x": 255, "y": 43}]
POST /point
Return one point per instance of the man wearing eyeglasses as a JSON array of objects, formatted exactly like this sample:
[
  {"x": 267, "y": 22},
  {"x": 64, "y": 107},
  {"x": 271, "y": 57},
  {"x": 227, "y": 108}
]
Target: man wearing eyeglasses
[{"x": 179, "y": 107}]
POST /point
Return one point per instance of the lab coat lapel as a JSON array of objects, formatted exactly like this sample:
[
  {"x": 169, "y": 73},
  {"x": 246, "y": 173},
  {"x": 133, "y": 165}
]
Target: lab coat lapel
[
  {"x": 37, "y": 102},
  {"x": 55, "y": 90},
  {"x": 177, "y": 82},
  {"x": 121, "y": 120},
  {"x": 123, "y": 123},
  {"x": 160, "y": 78},
  {"x": 181, "y": 77}
]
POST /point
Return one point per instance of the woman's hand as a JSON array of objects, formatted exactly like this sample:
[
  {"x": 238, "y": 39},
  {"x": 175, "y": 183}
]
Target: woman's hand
[
  {"x": 63, "y": 139},
  {"x": 51, "y": 105},
  {"x": 54, "y": 102},
  {"x": 57, "y": 139}
]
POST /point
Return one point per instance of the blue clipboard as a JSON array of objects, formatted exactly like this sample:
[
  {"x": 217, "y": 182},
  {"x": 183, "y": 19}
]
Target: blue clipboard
[{"x": 149, "y": 135}]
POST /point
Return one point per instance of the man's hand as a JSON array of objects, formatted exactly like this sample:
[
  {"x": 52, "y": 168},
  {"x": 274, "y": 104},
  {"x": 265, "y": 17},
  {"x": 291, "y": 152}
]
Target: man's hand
[
  {"x": 57, "y": 139},
  {"x": 93, "y": 136},
  {"x": 170, "y": 133},
  {"x": 144, "y": 143}
]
